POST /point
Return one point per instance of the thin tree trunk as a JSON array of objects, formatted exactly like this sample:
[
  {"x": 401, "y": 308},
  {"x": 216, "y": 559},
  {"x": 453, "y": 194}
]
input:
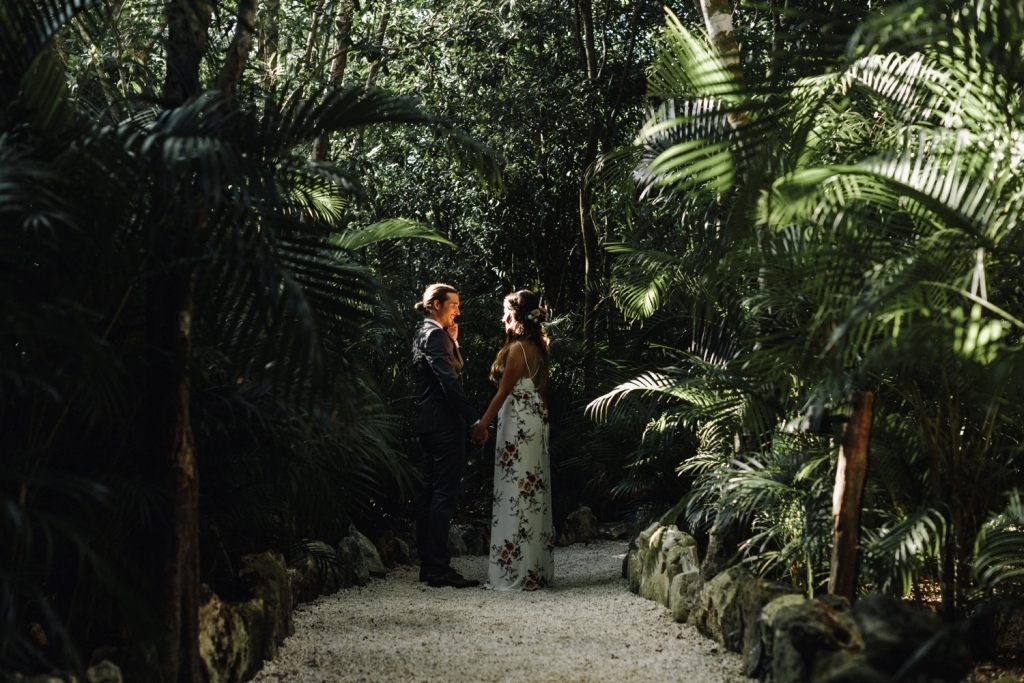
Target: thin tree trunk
[
  {"x": 378, "y": 43},
  {"x": 846, "y": 497},
  {"x": 338, "y": 63},
  {"x": 169, "y": 328},
  {"x": 718, "y": 21},
  {"x": 610, "y": 127},
  {"x": 170, "y": 308},
  {"x": 588, "y": 225},
  {"x": 634, "y": 27},
  {"x": 371, "y": 77},
  {"x": 314, "y": 29}
]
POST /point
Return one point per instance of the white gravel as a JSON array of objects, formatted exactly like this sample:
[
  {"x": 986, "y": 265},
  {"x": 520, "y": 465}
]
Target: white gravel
[{"x": 588, "y": 627}]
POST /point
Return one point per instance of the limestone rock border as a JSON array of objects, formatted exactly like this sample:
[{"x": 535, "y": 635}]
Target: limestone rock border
[{"x": 785, "y": 637}]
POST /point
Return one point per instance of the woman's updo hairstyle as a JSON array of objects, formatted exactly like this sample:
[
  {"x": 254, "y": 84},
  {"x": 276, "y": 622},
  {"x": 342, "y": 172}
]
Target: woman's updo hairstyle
[
  {"x": 524, "y": 319},
  {"x": 436, "y": 292}
]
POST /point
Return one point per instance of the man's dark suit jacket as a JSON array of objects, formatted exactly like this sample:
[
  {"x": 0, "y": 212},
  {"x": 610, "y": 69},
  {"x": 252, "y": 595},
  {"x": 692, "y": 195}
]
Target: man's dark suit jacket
[{"x": 436, "y": 364}]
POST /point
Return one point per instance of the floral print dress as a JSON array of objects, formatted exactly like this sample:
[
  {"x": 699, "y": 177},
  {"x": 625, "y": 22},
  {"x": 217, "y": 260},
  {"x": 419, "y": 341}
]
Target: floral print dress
[{"x": 522, "y": 526}]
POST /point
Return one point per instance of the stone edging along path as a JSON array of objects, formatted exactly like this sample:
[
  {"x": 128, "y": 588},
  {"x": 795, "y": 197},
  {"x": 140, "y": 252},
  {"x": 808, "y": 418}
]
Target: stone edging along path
[{"x": 588, "y": 627}]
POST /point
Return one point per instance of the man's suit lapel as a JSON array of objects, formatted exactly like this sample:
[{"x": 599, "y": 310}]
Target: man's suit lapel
[
  {"x": 453, "y": 348},
  {"x": 457, "y": 356}
]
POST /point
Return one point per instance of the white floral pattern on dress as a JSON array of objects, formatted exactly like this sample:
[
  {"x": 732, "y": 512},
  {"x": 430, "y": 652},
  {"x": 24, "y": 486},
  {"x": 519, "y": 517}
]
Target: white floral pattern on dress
[{"x": 522, "y": 528}]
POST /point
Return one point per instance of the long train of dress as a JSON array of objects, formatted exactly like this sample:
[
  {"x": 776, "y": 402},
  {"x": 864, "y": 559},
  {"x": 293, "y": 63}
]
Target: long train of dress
[{"x": 522, "y": 527}]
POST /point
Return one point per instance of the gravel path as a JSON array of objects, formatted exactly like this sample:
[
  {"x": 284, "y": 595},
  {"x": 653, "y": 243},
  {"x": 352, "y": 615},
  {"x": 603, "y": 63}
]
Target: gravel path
[{"x": 586, "y": 628}]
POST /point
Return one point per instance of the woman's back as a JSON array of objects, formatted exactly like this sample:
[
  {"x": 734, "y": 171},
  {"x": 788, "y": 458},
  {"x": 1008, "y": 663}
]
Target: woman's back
[{"x": 534, "y": 365}]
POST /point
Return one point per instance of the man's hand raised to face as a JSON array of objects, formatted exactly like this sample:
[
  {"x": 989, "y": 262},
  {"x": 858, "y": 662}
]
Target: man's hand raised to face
[{"x": 444, "y": 313}]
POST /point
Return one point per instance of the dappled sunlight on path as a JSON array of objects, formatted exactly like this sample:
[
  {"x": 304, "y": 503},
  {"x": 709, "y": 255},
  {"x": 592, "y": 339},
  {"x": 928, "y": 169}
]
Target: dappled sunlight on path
[{"x": 588, "y": 627}]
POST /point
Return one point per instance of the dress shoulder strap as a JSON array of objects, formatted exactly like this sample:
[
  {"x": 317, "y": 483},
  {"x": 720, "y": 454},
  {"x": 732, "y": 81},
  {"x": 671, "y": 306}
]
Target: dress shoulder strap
[{"x": 526, "y": 360}]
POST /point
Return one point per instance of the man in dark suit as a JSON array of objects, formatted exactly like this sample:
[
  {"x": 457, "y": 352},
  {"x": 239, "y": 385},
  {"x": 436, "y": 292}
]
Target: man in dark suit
[{"x": 444, "y": 420}]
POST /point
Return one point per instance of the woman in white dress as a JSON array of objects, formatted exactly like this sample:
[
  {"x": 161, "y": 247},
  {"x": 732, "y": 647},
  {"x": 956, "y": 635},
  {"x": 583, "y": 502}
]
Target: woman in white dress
[{"x": 522, "y": 529}]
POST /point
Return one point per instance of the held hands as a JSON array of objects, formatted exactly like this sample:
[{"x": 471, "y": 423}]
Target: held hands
[{"x": 479, "y": 433}]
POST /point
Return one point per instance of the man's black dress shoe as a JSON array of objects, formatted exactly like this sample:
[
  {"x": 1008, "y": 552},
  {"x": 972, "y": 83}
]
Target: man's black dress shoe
[
  {"x": 424, "y": 577},
  {"x": 453, "y": 579}
]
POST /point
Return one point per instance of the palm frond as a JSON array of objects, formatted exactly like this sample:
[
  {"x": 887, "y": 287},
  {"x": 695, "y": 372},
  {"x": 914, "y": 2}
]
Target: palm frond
[
  {"x": 392, "y": 228},
  {"x": 898, "y": 555},
  {"x": 999, "y": 550},
  {"x": 687, "y": 66},
  {"x": 25, "y": 28}
]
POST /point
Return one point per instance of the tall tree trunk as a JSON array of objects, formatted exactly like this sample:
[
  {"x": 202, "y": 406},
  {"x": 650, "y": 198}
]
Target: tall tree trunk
[
  {"x": 238, "y": 50},
  {"x": 338, "y": 63},
  {"x": 169, "y": 321},
  {"x": 314, "y": 30},
  {"x": 588, "y": 225},
  {"x": 169, "y": 329},
  {"x": 846, "y": 496},
  {"x": 187, "y": 24},
  {"x": 718, "y": 21},
  {"x": 608, "y": 141}
]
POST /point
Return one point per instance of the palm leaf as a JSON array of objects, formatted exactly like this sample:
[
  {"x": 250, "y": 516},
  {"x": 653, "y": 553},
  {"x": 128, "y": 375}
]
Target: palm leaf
[
  {"x": 999, "y": 550},
  {"x": 392, "y": 228}
]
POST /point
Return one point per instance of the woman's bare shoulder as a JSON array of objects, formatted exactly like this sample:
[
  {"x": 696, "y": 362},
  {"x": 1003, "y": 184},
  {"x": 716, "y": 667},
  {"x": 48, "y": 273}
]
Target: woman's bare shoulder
[{"x": 527, "y": 345}]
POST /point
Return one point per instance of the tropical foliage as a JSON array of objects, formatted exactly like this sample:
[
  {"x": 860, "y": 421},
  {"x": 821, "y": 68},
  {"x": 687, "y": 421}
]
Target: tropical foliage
[
  {"x": 848, "y": 225},
  {"x": 214, "y": 219},
  {"x": 103, "y": 219}
]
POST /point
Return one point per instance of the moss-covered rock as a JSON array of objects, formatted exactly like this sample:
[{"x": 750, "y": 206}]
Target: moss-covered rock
[{"x": 660, "y": 554}]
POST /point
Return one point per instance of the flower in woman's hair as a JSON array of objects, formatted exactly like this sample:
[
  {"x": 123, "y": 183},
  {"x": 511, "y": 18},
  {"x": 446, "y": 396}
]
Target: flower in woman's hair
[{"x": 536, "y": 315}]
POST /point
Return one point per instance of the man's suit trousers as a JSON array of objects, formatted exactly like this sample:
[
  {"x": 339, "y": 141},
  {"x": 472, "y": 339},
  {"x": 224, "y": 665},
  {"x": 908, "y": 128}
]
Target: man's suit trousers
[{"x": 444, "y": 456}]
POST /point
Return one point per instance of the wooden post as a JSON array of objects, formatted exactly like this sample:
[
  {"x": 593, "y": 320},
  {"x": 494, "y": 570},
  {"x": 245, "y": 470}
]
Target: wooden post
[{"x": 846, "y": 497}]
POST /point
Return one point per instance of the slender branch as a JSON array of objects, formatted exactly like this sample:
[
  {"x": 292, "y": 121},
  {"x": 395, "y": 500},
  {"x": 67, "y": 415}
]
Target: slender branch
[{"x": 378, "y": 43}]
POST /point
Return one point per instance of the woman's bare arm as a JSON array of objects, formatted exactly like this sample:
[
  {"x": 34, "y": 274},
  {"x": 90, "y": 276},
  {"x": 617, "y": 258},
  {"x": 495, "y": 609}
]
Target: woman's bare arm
[{"x": 514, "y": 366}]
